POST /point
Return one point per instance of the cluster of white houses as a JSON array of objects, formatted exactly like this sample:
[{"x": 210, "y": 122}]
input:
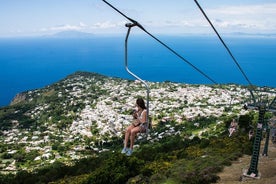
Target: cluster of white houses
[{"x": 107, "y": 114}]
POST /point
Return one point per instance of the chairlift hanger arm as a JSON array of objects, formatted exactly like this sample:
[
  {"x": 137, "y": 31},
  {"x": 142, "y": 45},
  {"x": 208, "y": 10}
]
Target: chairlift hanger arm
[
  {"x": 130, "y": 25},
  {"x": 169, "y": 48}
]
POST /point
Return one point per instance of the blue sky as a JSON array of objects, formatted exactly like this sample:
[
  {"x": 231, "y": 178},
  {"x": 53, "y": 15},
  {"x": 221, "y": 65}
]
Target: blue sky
[{"x": 42, "y": 17}]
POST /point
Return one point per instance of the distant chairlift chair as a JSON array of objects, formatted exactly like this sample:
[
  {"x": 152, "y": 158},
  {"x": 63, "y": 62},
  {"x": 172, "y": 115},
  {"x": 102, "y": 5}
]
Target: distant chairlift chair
[{"x": 233, "y": 128}]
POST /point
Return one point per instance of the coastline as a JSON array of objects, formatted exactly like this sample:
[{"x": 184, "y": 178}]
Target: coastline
[{"x": 33, "y": 63}]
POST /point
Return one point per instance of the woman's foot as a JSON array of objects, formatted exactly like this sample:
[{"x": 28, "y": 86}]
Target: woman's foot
[
  {"x": 129, "y": 152},
  {"x": 124, "y": 150}
]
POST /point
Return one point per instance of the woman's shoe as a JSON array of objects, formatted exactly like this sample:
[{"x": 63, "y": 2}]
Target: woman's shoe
[
  {"x": 124, "y": 150},
  {"x": 129, "y": 152}
]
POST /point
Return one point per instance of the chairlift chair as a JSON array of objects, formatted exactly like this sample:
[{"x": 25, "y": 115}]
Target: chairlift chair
[{"x": 129, "y": 26}]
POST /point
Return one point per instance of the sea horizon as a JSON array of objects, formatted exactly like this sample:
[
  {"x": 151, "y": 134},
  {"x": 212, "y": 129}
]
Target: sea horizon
[{"x": 32, "y": 63}]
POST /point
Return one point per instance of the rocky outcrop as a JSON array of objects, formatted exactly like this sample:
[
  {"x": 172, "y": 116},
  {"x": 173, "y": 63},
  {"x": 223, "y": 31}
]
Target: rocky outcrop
[{"x": 20, "y": 97}]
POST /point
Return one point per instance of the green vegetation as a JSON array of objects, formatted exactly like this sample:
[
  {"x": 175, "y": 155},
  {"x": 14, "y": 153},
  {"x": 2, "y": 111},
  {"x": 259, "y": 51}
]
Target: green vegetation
[
  {"x": 72, "y": 132},
  {"x": 172, "y": 160}
]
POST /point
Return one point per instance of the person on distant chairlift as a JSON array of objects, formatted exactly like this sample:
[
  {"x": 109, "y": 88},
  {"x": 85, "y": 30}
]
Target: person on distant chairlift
[
  {"x": 250, "y": 134},
  {"x": 138, "y": 125},
  {"x": 233, "y": 127}
]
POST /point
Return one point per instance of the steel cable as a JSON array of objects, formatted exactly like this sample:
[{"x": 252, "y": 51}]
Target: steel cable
[{"x": 162, "y": 43}]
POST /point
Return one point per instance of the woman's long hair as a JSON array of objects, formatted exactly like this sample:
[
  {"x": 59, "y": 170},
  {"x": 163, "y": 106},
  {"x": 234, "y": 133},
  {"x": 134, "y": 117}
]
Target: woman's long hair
[{"x": 140, "y": 102}]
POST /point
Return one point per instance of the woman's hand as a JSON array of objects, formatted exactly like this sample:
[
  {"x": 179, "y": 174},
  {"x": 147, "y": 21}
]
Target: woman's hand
[{"x": 134, "y": 114}]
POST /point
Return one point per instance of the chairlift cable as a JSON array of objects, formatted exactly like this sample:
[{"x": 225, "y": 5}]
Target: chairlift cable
[
  {"x": 262, "y": 107},
  {"x": 226, "y": 47},
  {"x": 162, "y": 43}
]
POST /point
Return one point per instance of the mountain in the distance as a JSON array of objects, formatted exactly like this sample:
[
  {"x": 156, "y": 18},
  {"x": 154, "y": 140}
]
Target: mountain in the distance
[{"x": 71, "y": 34}]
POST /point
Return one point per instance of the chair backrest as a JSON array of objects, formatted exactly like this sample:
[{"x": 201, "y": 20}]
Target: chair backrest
[{"x": 149, "y": 127}]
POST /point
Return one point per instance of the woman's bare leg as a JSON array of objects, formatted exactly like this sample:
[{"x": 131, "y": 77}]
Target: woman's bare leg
[
  {"x": 133, "y": 133},
  {"x": 127, "y": 134}
]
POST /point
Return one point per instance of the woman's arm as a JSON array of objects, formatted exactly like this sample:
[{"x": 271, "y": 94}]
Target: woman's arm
[{"x": 143, "y": 117}]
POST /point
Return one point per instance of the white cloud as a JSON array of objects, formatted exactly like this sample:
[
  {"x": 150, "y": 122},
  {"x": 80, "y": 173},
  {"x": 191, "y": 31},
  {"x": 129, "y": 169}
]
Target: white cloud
[
  {"x": 104, "y": 25},
  {"x": 65, "y": 27},
  {"x": 261, "y": 9},
  {"x": 246, "y": 18},
  {"x": 250, "y": 18},
  {"x": 99, "y": 27},
  {"x": 107, "y": 25}
]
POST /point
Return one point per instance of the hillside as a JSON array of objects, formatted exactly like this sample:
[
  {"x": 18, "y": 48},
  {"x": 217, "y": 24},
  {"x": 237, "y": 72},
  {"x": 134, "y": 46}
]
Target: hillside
[
  {"x": 267, "y": 168},
  {"x": 84, "y": 115}
]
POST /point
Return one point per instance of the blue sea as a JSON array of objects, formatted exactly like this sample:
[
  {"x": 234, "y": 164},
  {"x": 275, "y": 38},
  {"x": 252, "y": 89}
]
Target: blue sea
[{"x": 31, "y": 63}]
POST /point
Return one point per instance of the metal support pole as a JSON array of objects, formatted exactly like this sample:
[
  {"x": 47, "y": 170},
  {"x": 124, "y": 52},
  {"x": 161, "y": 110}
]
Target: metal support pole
[
  {"x": 253, "y": 169},
  {"x": 266, "y": 140}
]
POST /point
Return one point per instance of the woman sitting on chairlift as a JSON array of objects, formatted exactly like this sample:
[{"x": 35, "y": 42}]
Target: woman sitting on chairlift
[{"x": 138, "y": 125}]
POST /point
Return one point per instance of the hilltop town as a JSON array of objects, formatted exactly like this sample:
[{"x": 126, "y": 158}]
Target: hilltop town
[{"x": 87, "y": 111}]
